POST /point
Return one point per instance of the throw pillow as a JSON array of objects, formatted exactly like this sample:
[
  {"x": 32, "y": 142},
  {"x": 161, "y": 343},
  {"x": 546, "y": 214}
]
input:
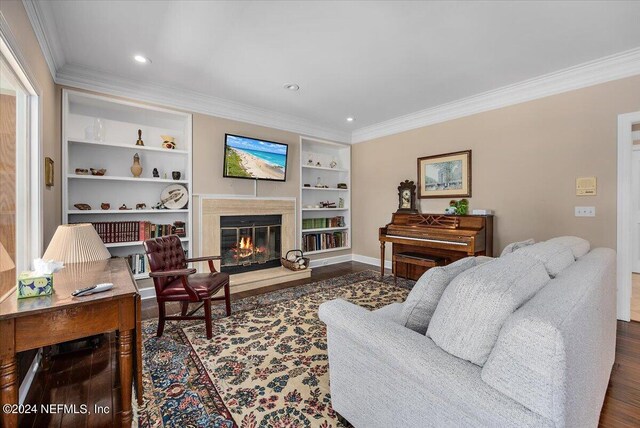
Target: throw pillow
[
  {"x": 555, "y": 257},
  {"x": 516, "y": 245},
  {"x": 474, "y": 306},
  {"x": 424, "y": 296},
  {"x": 579, "y": 247}
]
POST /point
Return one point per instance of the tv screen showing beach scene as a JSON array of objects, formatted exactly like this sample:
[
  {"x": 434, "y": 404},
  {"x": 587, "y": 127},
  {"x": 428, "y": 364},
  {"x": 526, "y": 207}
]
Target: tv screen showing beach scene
[{"x": 250, "y": 158}]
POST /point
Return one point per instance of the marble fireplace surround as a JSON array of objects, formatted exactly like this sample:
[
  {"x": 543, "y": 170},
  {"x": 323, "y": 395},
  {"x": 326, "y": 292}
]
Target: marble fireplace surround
[{"x": 212, "y": 208}]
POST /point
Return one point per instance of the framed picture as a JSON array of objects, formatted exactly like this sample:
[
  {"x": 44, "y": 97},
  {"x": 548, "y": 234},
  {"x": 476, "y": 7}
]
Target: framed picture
[{"x": 445, "y": 176}]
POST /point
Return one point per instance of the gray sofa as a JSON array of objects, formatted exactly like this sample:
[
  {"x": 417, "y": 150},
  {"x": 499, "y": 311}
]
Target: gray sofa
[{"x": 550, "y": 365}]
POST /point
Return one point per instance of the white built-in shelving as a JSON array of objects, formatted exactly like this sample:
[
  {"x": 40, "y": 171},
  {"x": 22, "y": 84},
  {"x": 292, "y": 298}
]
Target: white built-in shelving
[
  {"x": 312, "y": 152},
  {"x": 114, "y": 151}
]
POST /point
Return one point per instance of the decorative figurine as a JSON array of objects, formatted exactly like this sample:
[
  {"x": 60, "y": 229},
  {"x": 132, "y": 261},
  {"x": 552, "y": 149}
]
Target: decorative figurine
[
  {"x": 310, "y": 161},
  {"x": 139, "y": 142},
  {"x": 460, "y": 207},
  {"x": 83, "y": 207},
  {"x": 124, "y": 208},
  {"x": 168, "y": 142},
  {"x": 105, "y": 205},
  {"x": 141, "y": 206},
  {"x": 176, "y": 175},
  {"x": 342, "y": 185},
  {"x": 155, "y": 173},
  {"x": 333, "y": 163},
  {"x": 136, "y": 168},
  {"x": 158, "y": 206},
  {"x": 318, "y": 164},
  {"x": 340, "y": 202},
  {"x": 82, "y": 171}
]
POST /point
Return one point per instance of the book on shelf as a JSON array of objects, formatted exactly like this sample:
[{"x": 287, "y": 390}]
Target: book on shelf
[
  {"x": 322, "y": 223},
  {"x": 324, "y": 241},
  {"x": 131, "y": 231}
]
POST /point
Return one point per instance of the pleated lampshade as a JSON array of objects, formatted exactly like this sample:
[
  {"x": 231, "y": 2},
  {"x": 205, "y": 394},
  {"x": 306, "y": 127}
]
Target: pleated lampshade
[
  {"x": 5, "y": 260},
  {"x": 76, "y": 243}
]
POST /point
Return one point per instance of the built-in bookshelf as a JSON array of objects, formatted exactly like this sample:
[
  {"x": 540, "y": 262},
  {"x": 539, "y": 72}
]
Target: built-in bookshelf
[
  {"x": 325, "y": 176},
  {"x": 101, "y": 132}
]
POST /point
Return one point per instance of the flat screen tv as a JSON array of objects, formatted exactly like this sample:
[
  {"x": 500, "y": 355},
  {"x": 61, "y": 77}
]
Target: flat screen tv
[{"x": 254, "y": 159}]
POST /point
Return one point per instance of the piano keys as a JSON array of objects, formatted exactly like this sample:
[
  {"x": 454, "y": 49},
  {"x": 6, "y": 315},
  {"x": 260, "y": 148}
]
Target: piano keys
[{"x": 446, "y": 237}]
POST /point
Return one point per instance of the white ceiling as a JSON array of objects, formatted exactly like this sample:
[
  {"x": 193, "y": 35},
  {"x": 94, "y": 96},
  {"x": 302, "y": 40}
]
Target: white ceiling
[{"x": 372, "y": 60}]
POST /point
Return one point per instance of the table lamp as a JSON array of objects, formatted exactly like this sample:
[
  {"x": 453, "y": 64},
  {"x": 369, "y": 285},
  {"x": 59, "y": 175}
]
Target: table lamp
[
  {"x": 5, "y": 260},
  {"x": 76, "y": 243}
]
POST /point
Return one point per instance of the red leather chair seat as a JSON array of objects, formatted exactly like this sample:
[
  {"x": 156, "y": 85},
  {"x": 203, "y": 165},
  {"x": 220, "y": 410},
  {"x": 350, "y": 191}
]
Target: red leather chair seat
[{"x": 205, "y": 285}]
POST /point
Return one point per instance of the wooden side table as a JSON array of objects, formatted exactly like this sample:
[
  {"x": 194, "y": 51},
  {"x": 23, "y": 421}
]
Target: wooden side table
[
  {"x": 48, "y": 320},
  {"x": 415, "y": 259}
]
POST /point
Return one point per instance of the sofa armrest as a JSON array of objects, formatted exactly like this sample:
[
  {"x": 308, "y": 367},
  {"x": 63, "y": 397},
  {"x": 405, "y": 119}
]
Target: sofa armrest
[{"x": 377, "y": 365}]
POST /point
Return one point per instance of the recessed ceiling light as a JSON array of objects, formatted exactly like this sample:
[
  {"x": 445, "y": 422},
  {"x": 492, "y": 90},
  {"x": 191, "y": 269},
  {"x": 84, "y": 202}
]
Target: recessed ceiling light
[
  {"x": 141, "y": 59},
  {"x": 291, "y": 86},
  {"x": 350, "y": 119}
]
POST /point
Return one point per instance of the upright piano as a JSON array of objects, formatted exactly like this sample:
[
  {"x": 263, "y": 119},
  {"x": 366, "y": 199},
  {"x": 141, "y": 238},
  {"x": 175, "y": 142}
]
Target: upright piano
[{"x": 445, "y": 237}]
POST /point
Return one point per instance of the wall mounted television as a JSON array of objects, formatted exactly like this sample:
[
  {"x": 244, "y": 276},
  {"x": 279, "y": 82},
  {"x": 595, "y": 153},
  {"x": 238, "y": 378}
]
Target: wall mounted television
[{"x": 254, "y": 159}]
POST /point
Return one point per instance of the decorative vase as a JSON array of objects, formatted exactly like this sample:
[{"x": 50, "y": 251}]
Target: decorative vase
[
  {"x": 98, "y": 130},
  {"x": 176, "y": 175},
  {"x": 136, "y": 168}
]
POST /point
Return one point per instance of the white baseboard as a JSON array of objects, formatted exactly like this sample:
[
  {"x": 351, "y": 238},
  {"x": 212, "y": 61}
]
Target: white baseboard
[
  {"x": 370, "y": 260},
  {"x": 330, "y": 260},
  {"x": 31, "y": 375}
]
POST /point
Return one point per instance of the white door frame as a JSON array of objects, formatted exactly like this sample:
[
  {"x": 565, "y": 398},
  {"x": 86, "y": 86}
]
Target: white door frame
[{"x": 625, "y": 248}]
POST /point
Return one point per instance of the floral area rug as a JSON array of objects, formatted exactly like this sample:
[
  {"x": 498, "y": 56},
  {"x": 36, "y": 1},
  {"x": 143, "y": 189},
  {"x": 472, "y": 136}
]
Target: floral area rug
[{"x": 266, "y": 365}]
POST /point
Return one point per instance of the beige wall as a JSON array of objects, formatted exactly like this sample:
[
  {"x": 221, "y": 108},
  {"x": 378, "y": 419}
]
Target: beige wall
[
  {"x": 16, "y": 16},
  {"x": 525, "y": 161},
  {"x": 208, "y": 160}
]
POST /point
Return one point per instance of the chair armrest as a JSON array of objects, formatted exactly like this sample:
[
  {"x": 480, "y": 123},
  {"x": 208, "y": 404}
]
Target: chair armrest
[
  {"x": 208, "y": 259},
  {"x": 203, "y": 259},
  {"x": 177, "y": 272}
]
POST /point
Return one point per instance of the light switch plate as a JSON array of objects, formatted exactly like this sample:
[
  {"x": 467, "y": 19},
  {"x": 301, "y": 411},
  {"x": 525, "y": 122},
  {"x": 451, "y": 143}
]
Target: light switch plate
[{"x": 585, "y": 211}]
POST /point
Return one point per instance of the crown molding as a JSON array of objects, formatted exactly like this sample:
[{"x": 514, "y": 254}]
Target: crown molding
[
  {"x": 613, "y": 67},
  {"x": 107, "y": 83},
  {"x": 41, "y": 18}
]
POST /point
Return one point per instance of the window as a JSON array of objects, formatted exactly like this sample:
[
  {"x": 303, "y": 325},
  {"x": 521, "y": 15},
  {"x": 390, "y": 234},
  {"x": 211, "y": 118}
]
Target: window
[{"x": 20, "y": 195}]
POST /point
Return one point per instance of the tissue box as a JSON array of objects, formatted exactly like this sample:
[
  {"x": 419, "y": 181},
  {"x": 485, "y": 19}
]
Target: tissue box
[{"x": 32, "y": 284}]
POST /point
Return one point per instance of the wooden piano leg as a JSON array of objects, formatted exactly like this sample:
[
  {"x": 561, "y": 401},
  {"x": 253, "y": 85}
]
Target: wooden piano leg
[{"x": 381, "y": 259}]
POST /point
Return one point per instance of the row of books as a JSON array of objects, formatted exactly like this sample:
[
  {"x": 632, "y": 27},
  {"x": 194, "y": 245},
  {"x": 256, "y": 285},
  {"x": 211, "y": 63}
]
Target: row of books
[
  {"x": 323, "y": 241},
  {"x": 131, "y": 231},
  {"x": 319, "y": 223},
  {"x": 138, "y": 263}
]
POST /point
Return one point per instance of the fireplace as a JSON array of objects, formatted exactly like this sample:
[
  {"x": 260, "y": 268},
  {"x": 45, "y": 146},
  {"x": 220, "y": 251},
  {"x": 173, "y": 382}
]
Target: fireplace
[{"x": 250, "y": 242}]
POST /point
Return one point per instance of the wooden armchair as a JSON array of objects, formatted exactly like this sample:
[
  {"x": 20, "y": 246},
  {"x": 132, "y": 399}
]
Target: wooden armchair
[{"x": 175, "y": 282}]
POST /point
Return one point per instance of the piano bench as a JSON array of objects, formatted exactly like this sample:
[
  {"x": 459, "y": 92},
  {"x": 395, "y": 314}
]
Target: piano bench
[{"x": 415, "y": 259}]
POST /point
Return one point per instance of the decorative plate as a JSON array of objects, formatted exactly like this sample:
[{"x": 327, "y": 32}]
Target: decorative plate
[{"x": 175, "y": 197}]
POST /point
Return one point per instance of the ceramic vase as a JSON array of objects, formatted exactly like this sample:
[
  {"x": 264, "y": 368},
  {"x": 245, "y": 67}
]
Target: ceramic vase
[{"x": 136, "y": 168}]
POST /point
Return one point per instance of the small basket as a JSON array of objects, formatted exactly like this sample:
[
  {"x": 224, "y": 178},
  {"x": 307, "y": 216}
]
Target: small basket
[{"x": 294, "y": 265}]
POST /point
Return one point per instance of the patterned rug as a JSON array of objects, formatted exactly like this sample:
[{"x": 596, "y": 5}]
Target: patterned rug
[{"x": 266, "y": 365}]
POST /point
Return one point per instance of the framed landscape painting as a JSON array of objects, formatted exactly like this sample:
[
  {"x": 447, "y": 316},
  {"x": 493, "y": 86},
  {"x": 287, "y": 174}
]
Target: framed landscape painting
[{"x": 445, "y": 176}]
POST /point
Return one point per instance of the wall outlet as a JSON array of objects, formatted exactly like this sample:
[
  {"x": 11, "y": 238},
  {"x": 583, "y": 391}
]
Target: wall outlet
[{"x": 585, "y": 211}]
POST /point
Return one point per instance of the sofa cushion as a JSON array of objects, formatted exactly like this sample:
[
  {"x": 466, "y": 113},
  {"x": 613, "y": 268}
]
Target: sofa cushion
[
  {"x": 516, "y": 245},
  {"x": 474, "y": 306},
  {"x": 423, "y": 298},
  {"x": 579, "y": 246},
  {"x": 555, "y": 257}
]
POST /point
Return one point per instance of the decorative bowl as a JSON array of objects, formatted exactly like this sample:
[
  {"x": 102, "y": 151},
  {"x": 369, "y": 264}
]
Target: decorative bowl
[{"x": 98, "y": 172}]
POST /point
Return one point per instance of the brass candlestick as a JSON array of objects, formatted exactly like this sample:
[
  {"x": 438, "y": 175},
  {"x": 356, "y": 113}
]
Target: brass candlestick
[{"x": 139, "y": 142}]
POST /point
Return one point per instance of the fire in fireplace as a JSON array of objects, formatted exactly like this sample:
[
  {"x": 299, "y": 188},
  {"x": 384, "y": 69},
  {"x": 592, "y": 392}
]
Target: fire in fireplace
[{"x": 250, "y": 242}]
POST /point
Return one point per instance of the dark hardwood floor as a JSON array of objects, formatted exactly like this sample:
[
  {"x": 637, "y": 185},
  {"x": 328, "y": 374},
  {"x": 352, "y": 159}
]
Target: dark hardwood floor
[{"x": 90, "y": 377}]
